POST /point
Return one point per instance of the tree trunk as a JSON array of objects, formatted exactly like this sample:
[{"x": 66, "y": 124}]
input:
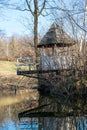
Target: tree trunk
[
  {"x": 36, "y": 29},
  {"x": 36, "y": 35}
]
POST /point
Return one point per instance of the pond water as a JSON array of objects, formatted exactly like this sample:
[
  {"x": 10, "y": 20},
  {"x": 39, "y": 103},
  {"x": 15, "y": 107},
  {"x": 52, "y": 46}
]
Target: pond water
[{"x": 29, "y": 111}]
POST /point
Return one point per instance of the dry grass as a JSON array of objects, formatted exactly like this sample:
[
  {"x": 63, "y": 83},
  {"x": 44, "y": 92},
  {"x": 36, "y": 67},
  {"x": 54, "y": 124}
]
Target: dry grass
[
  {"x": 10, "y": 80},
  {"x": 7, "y": 67}
]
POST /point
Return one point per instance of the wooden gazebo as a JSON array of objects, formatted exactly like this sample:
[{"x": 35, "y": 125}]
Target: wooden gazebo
[
  {"x": 56, "y": 39},
  {"x": 56, "y": 35},
  {"x": 59, "y": 43}
]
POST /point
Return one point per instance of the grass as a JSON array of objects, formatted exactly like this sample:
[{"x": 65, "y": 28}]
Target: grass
[
  {"x": 7, "y": 66},
  {"x": 9, "y": 78}
]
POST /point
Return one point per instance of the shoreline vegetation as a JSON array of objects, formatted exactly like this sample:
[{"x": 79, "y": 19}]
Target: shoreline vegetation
[
  {"x": 72, "y": 83},
  {"x": 9, "y": 80},
  {"x": 65, "y": 85}
]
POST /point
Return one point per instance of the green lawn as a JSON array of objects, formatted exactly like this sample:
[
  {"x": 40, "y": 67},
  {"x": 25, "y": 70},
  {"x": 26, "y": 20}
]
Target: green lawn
[{"x": 8, "y": 66}]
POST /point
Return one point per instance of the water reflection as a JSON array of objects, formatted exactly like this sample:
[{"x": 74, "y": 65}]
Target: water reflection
[
  {"x": 43, "y": 113},
  {"x": 9, "y": 97},
  {"x": 11, "y": 105},
  {"x": 29, "y": 124},
  {"x": 54, "y": 123},
  {"x": 57, "y": 114},
  {"x": 8, "y": 124}
]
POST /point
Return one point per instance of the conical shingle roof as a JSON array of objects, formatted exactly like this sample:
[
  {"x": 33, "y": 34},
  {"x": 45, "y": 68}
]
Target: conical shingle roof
[{"x": 56, "y": 35}]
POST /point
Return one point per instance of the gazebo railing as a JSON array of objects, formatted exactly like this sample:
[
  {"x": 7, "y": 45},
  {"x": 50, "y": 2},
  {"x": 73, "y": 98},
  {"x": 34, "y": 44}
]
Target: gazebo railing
[{"x": 26, "y": 64}]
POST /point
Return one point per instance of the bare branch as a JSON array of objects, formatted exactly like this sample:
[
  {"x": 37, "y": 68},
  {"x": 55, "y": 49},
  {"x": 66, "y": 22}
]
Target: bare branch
[
  {"x": 78, "y": 25},
  {"x": 42, "y": 7},
  {"x": 46, "y": 13},
  {"x": 35, "y": 7},
  {"x": 18, "y": 8},
  {"x": 29, "y": 7}
]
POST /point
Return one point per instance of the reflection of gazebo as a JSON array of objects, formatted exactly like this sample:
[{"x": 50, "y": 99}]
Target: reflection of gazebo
[
  {"x": 55, "y": 114},
  {"x": 55, "y": 39}
]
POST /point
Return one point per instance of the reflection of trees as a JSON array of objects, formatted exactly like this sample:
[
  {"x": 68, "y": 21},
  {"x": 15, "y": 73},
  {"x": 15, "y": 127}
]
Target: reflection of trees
[
  {"x": 58, "y": 114},
  {"x": 56, "y": 123},
  {"x": 74, "y": 108},
  {"x": 67, "y": 105},
  {"x": 82, "y": 123},
  {"x": 67, "y": 123},
  {"x": 11, "y": 111},
  {"x": 29, "y": 124}
]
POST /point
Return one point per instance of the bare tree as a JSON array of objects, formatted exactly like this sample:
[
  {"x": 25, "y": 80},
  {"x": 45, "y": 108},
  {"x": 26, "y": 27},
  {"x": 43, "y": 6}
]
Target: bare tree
[
  {"x": 70, "y": 12},
  {"x": 19, "y": 47},
  {"x": 71, "y": 17},
  {"x": 2, "y": 49},
  {"x": 35, "y": 7},
  {"x": 36, "y": 13}
]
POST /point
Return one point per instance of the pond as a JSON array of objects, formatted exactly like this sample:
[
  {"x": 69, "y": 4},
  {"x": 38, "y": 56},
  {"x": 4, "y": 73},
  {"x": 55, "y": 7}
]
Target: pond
[{"x": 27, "y": 110}]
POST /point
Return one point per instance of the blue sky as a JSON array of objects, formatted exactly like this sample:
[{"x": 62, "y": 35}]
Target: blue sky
[{"x": 11, "y": 21}]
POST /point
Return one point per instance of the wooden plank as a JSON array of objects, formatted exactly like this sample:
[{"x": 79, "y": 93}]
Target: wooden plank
[
  {"x": 36, "y": 71},
  {"x": 25, "y": 65}
]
